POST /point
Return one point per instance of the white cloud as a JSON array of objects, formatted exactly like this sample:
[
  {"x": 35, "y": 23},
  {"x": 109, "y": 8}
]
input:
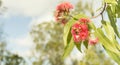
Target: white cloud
[
  {"x": 30, "y": 7},
  {"x": 44, "y": 18},
  {"x": 23, "y": 40},
  {"x": 22, "y": 45}
]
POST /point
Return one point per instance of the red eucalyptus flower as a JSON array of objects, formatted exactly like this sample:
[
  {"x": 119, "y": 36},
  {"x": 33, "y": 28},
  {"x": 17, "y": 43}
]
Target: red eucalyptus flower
[
  {"x": 84, "y": 27},
  {"x": 79, "y": 32},
  {"x": 76, "y": 38},
  {"x": 61, "y": 11},
  {"x": 76, "y": 31},
  {"x": 84, "y": 20},
  {"x": 93, "y": 41},
  {"x": 84, "y": 35},
  {"x": 65, "y": 6}
]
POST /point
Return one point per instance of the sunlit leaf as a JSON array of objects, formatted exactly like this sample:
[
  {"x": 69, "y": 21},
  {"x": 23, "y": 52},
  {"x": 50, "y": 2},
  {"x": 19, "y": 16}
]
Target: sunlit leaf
[
  {"x": 67, "y": 32},
  {"x": 109, "y": 30},
  {"x": 118, "y": 9},
  {"x": 91, "y": 26},
  {"x": 105, "y": 41},
  {"x": 114, "y": 56},
  {"x": 78, "y": 46},
  {"x": 111, "y": 1},
  {"x": 110, "y": 34},
  {"x": 86, "y": 44},
  {"x": 68, "y": 49},
  {"x": 112, "y": 20}
]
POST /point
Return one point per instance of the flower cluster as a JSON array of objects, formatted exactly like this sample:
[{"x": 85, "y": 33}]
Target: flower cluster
[
  {"x": 80, "y": 30},
  {"x": 62, "y": 11}
]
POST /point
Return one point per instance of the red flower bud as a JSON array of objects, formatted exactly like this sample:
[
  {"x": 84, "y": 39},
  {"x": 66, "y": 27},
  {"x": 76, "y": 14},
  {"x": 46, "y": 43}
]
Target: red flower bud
[
  {"x": 84, "y": 20},
  {"x": 93, "y": 41}
]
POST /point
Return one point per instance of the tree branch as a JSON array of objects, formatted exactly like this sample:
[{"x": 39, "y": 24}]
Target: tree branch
[{"x": 101, "y": 11}]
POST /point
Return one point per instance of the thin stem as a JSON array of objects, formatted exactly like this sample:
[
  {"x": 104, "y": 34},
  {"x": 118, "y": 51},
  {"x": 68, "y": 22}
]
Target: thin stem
[
  {"x": 73, "y": 17},
  {"x": 102, "y": 16},
  {"x": 100, "y": 12}
]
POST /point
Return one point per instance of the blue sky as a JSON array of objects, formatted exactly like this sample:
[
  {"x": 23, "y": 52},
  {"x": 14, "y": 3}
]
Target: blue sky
[
  {"x": 16, "y": 25},
  {"x": 21, "y": 15},
  {"x": 18, "y": 18}
]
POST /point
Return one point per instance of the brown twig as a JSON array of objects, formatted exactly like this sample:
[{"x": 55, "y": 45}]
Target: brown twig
[
  {"x": 101, "y": 11},
  {"x": 73, "y": 17}
]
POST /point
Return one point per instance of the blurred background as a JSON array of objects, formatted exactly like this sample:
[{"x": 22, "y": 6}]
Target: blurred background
[{"x": 29, "y": 35}]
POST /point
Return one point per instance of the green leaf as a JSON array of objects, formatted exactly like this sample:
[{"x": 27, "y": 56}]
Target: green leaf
[
  {"x": 91, "y": 26},
  {"x": 67, "y": 33},
  {"x": 118, "y": 9},
  {"x": 114, "y": 56},
  {"x": 68, "y": 49},
  {"x": 108, "y": 40},
  {"x": 68, "y": 40},
  {"x": 78, "y": 46},
  {"x": 113, "y": 20},
  {"x": 111, "y": 34},
  {"x": 105, "y": 41},
  {"x": 67, "y": 29},
  {"x": 86, "y": 44},
  {"x": 110, "y": 1},
  {"x": 109, "y": 30}
]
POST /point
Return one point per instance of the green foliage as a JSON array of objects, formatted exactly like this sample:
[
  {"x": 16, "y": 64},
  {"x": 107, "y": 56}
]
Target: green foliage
[
  {"x": 108, "y": 41},
  {"x": 113, "y": 20},
  {"x": 68, "y": 49},
  {"x": 107, "y": 33},
  {"x": 117, "y": 9},
  {"x": 6, "y": 57},
  {"x": 68, "y": 40},
  {"x": 48, "y": 38},
  {"x": 95, "y": 56},
  {"x": 110, "y": 1},
  {"x": 55, "y": 49}
]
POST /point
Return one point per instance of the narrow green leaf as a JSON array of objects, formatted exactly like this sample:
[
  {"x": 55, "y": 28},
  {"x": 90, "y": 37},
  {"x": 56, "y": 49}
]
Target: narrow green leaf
[
  {"x": 105, "y": 41},
  {"x": 109, "y": 30},
  {"x": 110, "y": 1},
  {"x": 111, "y": 34},
  {"x": 86, "y": 44},
  {"x": 78, "y": 46},
  {"x": 68, "y": 49},
  {"x": 118, "y": 9},
  {"x": 67, "y": 32},
  {"x": 112, "y": 50},
  {"x": 91, "y": 26},
  {"x": 114, "y": 56},
  {"x": 113, "y": 20}
]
